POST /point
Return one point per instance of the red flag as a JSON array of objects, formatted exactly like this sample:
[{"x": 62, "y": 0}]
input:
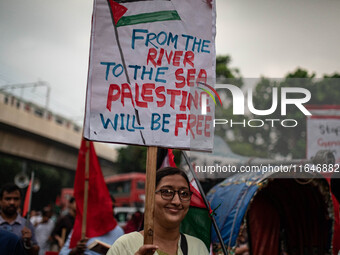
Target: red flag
[
  {"x": 169, "y": 159},
  {"x": 27, "y": 199},
  {"x": 118, "y": 10},
  {"x": 196, "y": 198},
  {"x": 100, "y": 219}
]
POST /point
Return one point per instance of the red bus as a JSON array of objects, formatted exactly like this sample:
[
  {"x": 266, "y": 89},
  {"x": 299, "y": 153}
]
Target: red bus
[{"x": 128, "y": 189}]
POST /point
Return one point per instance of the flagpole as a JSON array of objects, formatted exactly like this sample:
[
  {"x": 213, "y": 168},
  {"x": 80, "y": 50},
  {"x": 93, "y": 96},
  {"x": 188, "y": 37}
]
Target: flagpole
[
  {"x": 29, "y": 209},
  {"x": 124, "y": 66},
  {"x": 205, "y": 202},
  {"x": 86, "y": 189},
  {"x": 29, "y": 201},
  {"x": 151, "y": 165}
]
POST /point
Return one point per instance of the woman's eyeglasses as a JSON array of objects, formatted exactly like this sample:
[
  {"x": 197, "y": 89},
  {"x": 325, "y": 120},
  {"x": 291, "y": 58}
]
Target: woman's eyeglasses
[{"x": 169, "y": 194}]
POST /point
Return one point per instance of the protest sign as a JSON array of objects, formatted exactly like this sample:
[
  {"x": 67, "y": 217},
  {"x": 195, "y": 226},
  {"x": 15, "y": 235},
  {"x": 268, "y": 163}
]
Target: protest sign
[
  {"x": 323, "y": 130},
  {"x": 152, "y": 66}
]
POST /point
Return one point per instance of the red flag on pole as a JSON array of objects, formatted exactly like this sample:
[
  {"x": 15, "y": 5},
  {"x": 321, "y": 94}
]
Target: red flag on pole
[
  {"x": 100, "y": 219},
  {"x": 169, "y": 159},
  {"x": 27, "y": 199}
]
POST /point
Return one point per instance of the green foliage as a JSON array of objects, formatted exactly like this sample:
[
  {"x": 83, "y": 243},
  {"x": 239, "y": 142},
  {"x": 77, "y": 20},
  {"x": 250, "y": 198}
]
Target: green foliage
[
  {"x": 222, "y": 69},
  {"x": 9, "y": 168},
  {"x": 132, "y": 159},
  {"x": 51, "y": 179},
  {"x": 225, "y": 72},
  {"x": 246, "y": 148},
  {"x": 268, "y": 141},
  {"x": 292, "y": 141}
]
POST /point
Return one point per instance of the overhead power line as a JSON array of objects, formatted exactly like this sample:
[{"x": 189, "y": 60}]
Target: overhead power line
[{"x": 31, "y": 85}]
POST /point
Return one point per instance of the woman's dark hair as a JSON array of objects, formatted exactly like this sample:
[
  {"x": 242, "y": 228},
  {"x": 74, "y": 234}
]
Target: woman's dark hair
[{"x": 162, "y": 172}]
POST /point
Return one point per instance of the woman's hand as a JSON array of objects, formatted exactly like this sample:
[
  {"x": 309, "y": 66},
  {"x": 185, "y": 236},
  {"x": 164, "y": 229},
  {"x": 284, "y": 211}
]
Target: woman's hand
[
  {"x": 147, "y": 249},
  {"x": 80, "y": 248}
]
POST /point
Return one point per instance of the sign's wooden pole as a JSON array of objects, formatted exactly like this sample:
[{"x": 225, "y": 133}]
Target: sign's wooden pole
[
  {"x": 151, "y": 163},
  {"x": 86, "y": 189}
]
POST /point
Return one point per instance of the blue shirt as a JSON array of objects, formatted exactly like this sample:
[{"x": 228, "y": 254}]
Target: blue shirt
[
  {"x": 16, "y": 226},
  {"x": 10, "y": 244},
  {"x": 109, "y": 238}
]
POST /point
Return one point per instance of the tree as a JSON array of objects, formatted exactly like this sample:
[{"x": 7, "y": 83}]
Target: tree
[
  {"x": 280, "y": 140},
  {"x": 51, "y": 179},
  {"x": 269, "y": 140},
  {"x": 235, "y": 136},
  {"x": 223, "y": 70},
  {"x": 132, "y": 159}
]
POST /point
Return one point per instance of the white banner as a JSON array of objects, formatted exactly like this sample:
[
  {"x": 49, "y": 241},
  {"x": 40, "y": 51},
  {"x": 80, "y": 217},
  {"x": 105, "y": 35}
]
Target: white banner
[{"x": 150, "y": 73}]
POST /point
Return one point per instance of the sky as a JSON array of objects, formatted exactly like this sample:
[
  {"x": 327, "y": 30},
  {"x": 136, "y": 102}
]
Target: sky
[{"x": 49, "y": 41}]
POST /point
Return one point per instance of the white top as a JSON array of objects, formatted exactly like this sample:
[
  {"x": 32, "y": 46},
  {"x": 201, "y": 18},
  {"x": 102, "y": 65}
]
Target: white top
[
  {"x": 128, "y": 244},
  {"x": 42, "y": 233}
]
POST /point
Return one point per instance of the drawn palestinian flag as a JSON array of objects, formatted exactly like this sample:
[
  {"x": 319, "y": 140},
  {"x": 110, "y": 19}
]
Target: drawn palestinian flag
[
  {"x": 197, "y": 222},
  {"x": 132, "y": 12}
]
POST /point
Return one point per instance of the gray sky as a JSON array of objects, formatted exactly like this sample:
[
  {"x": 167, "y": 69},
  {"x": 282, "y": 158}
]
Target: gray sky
[
  {"x": 273, "y": 37},
  {"x": 49, "y": 41}
]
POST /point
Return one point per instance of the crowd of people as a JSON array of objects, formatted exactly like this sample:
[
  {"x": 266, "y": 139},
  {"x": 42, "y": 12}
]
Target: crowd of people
[{"x": 45, "y": 232}]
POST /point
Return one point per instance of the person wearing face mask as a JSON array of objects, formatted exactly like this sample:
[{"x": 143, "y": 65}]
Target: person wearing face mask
[{"x": 172, "y": 201}]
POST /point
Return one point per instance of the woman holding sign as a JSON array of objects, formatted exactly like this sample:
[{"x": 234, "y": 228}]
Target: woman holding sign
[{"x": 172, "y": 200}]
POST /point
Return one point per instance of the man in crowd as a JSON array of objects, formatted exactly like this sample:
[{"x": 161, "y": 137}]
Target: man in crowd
[
  {"x": 10, "y": 220},
  {"x": 43, "y": 230}
]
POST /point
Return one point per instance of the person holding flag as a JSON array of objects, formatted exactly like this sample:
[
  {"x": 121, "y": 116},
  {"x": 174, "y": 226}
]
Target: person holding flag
[
  {"x": 82, "y": 245},
  {"x": 172, "y": 201},
  {"x": 10, "y": 220},
  {"x": 94, "y": 216}
]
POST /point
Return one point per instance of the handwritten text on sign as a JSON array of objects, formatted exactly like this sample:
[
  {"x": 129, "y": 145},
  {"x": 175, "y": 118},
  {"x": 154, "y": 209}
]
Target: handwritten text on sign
[
  {"x": 148, "y": 90},
  {"x": 323, "y": 134}
]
